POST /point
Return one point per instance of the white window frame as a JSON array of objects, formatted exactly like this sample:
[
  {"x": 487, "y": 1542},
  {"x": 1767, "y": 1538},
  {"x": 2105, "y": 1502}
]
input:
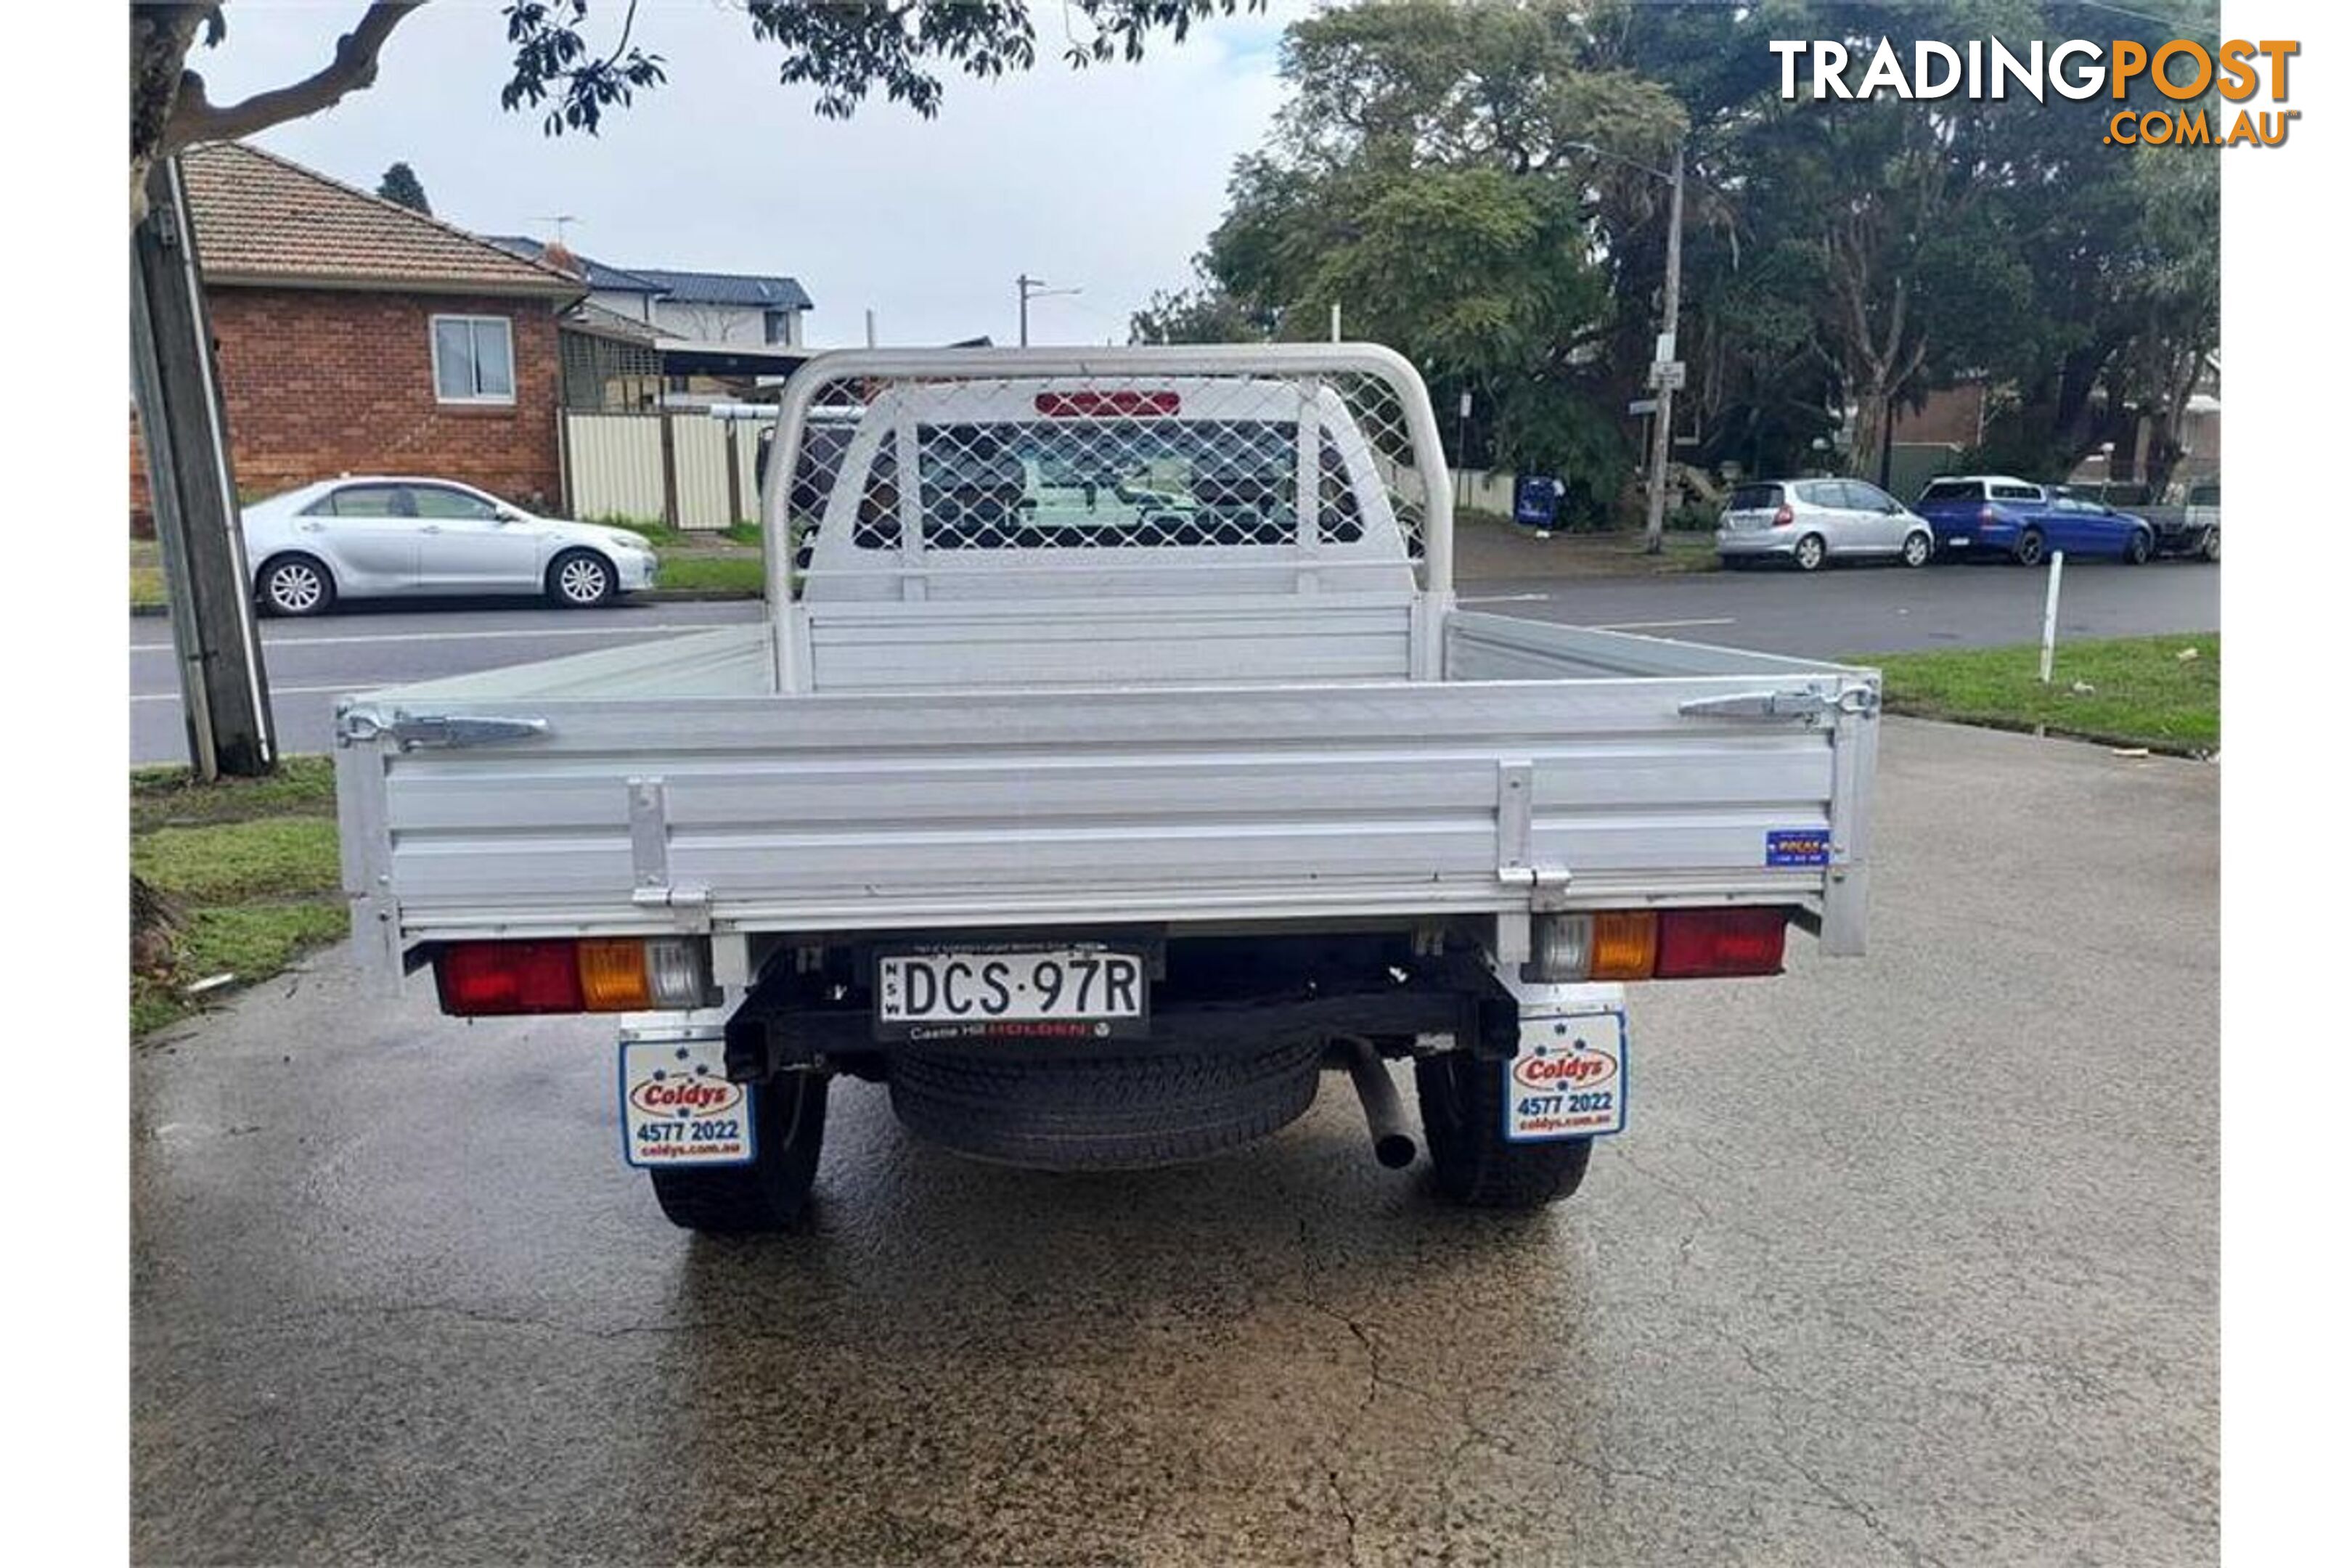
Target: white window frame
[{"x": 506, "y": 325}]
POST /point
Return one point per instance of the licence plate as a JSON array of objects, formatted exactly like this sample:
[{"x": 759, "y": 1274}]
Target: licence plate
[
  {"x": 1039, "y": 992},
  {"x": 1959, "y": 540}
]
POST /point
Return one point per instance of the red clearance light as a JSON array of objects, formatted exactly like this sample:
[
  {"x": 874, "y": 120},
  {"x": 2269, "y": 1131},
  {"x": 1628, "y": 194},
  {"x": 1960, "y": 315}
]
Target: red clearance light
[
  {"x": 1094, "y": 404},
  {"x": 488, "y": 978},
  {"x": 1700, "y": 943}
]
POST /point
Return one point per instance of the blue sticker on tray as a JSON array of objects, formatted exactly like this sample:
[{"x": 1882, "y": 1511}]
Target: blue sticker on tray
[{"x": 1795, "y": 846}]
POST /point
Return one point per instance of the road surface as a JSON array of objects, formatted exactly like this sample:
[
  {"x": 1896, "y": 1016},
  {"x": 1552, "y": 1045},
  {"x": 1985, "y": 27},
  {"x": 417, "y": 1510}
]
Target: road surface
[{"x": 1909, "y": 1260}]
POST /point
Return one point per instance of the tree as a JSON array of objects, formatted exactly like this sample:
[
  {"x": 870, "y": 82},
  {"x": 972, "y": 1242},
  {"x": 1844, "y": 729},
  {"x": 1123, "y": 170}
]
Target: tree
[
  {"x": 1444, "y": 173},
  {"x": 844, "y": 50},
  {"x": 401, "y": 184}
]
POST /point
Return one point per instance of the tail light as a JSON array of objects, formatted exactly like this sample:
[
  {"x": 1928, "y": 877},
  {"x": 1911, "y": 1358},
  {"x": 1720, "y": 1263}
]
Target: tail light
[
  {"x": 1785, "y": 516},
  {"x": 619, "y": 974},
  {"x": 1658, "y": 944},
  {"x": 1984, "y": 514},
  {"x": 1124, "y": 402},
  {"x": 1696, "y": 943}
]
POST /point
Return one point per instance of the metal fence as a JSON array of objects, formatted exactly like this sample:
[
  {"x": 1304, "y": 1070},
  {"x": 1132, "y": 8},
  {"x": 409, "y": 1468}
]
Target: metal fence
[{"x": 687, "y": 468}]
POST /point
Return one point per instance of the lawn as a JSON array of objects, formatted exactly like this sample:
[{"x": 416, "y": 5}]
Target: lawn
[
  {"x": 2164, "y": 693},
  {"x": 247, "y": 872}
]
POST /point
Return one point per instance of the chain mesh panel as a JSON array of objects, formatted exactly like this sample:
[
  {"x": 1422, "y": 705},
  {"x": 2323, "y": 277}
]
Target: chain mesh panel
[{"x": 954, "y": 472}]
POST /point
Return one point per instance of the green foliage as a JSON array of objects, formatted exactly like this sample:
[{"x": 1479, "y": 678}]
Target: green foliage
[
  {"x": 843, "y": 50},
  {"x": 726, "y": 574},
  {"x": 1477, "y": 184},
  {"x": 401, "y": 184}
]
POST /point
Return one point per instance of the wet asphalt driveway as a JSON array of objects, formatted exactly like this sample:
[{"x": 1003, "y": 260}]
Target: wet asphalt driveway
[{"x": 1910, "y": 1260}]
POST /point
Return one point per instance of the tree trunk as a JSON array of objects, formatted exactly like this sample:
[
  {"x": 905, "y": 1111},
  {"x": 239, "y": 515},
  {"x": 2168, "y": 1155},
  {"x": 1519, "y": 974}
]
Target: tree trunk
[{"x": 161, "y": 36}]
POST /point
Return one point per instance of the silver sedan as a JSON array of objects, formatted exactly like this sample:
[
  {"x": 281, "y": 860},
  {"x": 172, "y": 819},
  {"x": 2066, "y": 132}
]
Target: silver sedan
[{"x": 375, "y": 536}]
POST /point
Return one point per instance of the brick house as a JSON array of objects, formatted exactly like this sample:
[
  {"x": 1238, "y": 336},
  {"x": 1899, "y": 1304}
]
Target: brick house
[{"x": 354, "y": 335}]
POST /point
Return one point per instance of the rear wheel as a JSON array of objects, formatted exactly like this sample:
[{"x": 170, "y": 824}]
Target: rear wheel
[
  {"x": 1810, "y": 551},
  {"x": 2208, "y": 544},
  {"x": 772, "y": 1192},
  {"x": 1461, "y": 1116},
  {"x": 2029, "y": 548},
  {"x": 1917, "y": 549},
  {"x": 1106, "y": 1113},
  {"x": 2141, "y": 547}
]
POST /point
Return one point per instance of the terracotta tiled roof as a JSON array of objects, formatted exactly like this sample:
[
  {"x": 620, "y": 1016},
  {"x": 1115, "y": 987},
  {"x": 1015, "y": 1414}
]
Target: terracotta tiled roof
[{"x": 261, "y": 219}]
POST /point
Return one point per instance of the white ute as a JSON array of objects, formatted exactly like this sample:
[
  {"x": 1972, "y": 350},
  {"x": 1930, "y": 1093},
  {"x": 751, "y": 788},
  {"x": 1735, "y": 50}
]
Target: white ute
[{"x": 1114, "y": 760}]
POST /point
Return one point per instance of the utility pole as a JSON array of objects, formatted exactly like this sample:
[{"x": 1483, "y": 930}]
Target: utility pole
[
  {"x": 1667, "y": 373},
  {"x": 223, "y": 691},
  {"x": 1035, "y": 288}
]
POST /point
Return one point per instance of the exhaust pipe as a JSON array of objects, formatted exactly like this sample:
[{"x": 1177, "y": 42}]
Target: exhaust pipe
[{"x": 1392, "y": 1144}]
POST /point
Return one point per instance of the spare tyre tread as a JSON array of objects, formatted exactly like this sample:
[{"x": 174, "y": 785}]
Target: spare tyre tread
[{"x": 1102, "y": 1113}]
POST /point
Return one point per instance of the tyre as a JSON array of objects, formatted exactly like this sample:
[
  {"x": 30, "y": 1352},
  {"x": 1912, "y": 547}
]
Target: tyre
[
  {"x": 2208, "y": 544},
  {"x": 580, "y": 580},
  {"x": 1918, "y": 549},
  {"x": 772, "y": 1192},
  {"x": 2029, "y": 548},
  {"x": 2141, "y": 547},
  {"x": 294, "y": 586},
  {"x": 1462, "y": 1119},
  {"x": 1116, "y": 1113},
  {"x": 1810, "y": 551}
]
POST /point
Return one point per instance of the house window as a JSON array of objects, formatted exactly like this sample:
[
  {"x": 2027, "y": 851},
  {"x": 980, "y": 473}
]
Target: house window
[{"x": 472, "y": 359}]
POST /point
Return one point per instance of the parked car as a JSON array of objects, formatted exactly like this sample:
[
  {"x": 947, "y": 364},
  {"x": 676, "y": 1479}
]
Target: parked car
[
  {"x": 2201, "y": 530},
  {"x": 372, "y": 536},
  {"x": 1809, "y": 522},
  {"x": 1994, "y": 515}
]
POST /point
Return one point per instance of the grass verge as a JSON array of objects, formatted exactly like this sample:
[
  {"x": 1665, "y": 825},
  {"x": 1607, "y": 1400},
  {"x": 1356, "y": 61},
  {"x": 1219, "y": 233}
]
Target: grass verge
[
  {"x": 146, "y": 573},
  {"x": 247, "y": 873},
  {"x": 2122, "y": 692},
  {"x": 732, "y": 573}
]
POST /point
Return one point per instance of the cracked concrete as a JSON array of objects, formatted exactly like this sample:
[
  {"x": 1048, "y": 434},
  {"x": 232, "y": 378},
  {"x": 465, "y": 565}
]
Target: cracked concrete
[{"x": 1910, "y": 1260}]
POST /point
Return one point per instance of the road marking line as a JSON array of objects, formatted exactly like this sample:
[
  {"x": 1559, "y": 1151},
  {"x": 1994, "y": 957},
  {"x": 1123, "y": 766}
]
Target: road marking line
[
  {"x": 462, "y": 637},
  {"x": 277, "y": 691},
  {"x": 1662, "y": 626},
  {"x": 1502, "y": 598}
]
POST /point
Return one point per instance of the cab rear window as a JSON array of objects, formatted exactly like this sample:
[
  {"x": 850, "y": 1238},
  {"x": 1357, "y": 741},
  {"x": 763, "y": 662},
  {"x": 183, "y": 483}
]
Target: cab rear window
[{"x": 1954, "y": 490}]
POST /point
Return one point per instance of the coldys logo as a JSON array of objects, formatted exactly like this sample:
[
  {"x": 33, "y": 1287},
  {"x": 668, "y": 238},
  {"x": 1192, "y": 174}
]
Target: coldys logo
[
  {"x": 692, "y": 1094},
  {"x": 1564, "y": 1067}
]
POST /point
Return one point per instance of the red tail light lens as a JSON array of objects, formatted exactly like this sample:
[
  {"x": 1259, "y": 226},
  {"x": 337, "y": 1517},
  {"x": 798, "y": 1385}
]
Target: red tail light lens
[
  {"x": 1784, "y": 517},
  {"x": 1984, "y": 514},
  {"x": 490, "y": 977},
  {"x": 615, "y": 974},
  {"x": 1698, "y": 943},
  {"x": 1124, "y": 402}
]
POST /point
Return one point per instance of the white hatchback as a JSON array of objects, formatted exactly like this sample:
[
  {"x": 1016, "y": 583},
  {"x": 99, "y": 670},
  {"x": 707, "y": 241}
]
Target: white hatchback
[
  {"x": 1809, "y": 522},
  {"x": 374, "y": 536}
]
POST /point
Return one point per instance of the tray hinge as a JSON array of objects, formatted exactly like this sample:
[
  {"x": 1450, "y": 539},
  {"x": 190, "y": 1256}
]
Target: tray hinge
[
  {"x": 1515, "y": 862},
  {"x": 651, "y": 887}
]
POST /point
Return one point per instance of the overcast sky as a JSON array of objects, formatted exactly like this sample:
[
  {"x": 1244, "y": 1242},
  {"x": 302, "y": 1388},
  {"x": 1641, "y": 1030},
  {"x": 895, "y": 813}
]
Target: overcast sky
[{"x": 1108, "y": 178}]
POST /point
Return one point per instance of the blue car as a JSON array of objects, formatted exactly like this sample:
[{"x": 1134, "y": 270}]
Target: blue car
[{"x": 1993, "y": 514}]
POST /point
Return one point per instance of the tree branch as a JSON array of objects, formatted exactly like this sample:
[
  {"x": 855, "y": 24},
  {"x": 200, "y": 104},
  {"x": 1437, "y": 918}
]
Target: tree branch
[{"x": 196, "y": 119}]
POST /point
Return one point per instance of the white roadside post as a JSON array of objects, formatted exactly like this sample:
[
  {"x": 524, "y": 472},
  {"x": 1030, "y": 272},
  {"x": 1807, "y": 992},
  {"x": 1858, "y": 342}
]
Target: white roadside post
[{"x": 2049, "y": 612}]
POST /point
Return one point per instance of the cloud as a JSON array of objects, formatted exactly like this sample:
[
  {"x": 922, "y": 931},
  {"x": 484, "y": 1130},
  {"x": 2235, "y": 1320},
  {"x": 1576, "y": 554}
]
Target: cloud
[{"x": 1107, "y": 179}]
